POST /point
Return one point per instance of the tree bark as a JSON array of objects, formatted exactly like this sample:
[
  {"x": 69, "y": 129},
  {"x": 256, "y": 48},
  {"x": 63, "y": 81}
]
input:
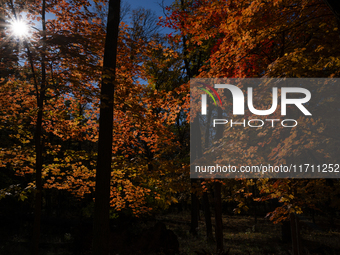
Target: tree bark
[
  {"x": 205, "y": 198},
  {"x": 218, "y": 217},
  {"x": 39, "y": 146},
  {"x": 218, "y": 197},
  {"x": 196, "y": 153},
  {"x": 194, "y": 209},
  {"x": 296, "y": 237},
  {"x": 101, "y": 229},
  {"x": 207, "y": 216},
  {"x": 253, "y": 202}
]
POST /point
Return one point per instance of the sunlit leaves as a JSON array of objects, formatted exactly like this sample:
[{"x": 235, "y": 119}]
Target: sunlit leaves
[{"x": 283, "y": 38}]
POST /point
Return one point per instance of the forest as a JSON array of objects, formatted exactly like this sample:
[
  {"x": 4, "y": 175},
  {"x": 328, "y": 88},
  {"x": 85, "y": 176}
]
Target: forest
[{"x": 98, "y": 130}]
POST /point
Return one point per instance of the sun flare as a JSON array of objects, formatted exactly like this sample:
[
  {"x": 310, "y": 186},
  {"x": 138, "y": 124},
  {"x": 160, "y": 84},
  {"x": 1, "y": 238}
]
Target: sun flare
[{"x": 19, "y": 28}]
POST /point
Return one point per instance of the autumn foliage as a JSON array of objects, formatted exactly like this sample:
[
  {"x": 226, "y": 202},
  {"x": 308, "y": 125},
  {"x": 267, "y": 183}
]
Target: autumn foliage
[
  {"x": 279, "y": 39},
  {"x": 150, "y": 169},
  {"x": 142, "y": 138}
]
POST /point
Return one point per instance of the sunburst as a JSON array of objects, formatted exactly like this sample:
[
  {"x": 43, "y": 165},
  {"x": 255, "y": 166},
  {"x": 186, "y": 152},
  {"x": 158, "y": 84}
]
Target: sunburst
[{"x": 19, "y": 28}]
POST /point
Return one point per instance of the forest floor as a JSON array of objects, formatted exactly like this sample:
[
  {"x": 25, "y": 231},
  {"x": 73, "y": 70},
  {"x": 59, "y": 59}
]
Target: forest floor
[{"x": 241, "y": 236}]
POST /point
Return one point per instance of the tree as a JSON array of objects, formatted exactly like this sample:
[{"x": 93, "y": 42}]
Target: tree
[
  {"x": 275, "y": 47},
  {"x": 267, "y": 39},
  {"x": 101, "y": 229},
  {"x": 145, "y": 117},
  {"x": 193, "y": 58},
  {"x": 47, "y": 84}
]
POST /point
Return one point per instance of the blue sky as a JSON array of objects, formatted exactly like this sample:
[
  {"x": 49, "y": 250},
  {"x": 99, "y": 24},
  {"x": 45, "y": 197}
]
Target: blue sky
[
  {"x": 149, "y": 4},
  {"x": 154, "y": 5}
]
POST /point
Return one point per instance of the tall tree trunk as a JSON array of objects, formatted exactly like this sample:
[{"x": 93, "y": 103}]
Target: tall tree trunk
[
  {"x": 207, "y": 216},
  {"x": 38, "y": 184},
  {"x": 101, "y": 229},
  {"x": 196, "y": 153},
  {"x": 194, "y": 208},
  {"x": 296, "y": 237},
  {"x": 253, "y": 202},
  {"x": 205, "y": 198},
  {"x": 218, "y": 197},
  {"x": 39, "y": 146},
  {"x": 218, "y": 217}
]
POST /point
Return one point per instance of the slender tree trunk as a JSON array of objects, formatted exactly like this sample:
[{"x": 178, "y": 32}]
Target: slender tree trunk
[
  {"x": 194, "y": 209},
  {"x": 39, "y": 146},
  {"x": 296, "y": 237},
  {"x": 207, "y": 216},
  {"x": 218, "y": 197},
  {"x": 196, "y": 153},
  {"x": 101, "y": 229},
  {"x": 218, "y": 217},
  {"x": 205, "y": 198},
  {"x": 253, "y": 202},
  {"x": 38, "y": 184}
]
